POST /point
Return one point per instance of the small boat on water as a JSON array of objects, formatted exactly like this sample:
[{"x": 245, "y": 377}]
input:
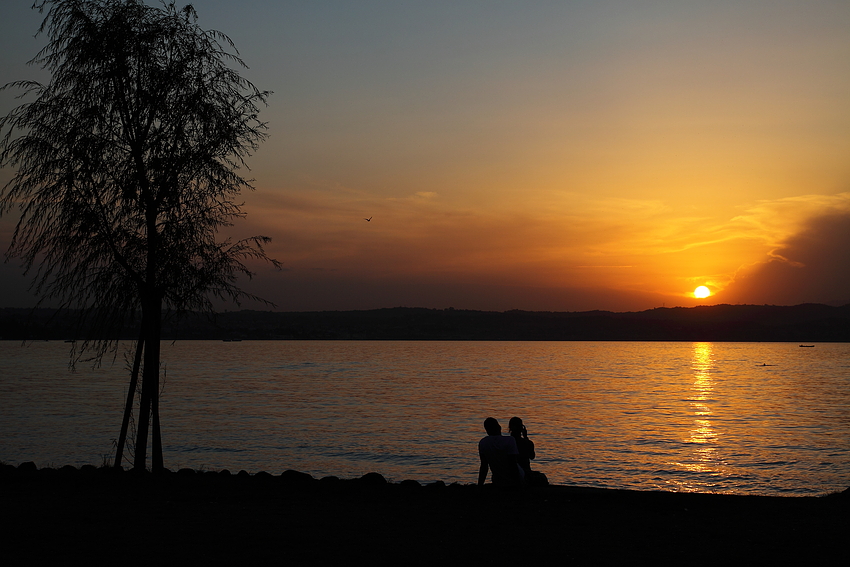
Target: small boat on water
[{"x": 807, "y": 346}]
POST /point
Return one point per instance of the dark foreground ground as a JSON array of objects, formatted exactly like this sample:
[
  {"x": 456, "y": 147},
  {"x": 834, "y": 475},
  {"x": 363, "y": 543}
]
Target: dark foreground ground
[{"x": 217, "y": 518}]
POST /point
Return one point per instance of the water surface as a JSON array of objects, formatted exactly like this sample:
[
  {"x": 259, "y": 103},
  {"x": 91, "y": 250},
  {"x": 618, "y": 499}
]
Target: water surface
[{"x": 642, "y": 415}]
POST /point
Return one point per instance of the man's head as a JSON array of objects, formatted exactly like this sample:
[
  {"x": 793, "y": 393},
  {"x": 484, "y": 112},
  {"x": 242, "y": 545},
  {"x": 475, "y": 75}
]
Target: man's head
[{"x": 491, "y": 425}]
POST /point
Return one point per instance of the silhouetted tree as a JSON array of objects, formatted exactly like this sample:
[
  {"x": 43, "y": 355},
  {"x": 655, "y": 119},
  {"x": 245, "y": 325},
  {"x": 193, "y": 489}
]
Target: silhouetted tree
[{"x": 127, "y": 166}]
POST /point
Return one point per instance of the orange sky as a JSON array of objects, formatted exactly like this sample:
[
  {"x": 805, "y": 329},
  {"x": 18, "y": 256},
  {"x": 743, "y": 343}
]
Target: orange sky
[{"x": 552, "y": 156}]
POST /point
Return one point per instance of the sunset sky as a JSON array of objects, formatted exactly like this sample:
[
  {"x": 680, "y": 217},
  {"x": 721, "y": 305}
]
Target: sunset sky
[{"x": 560, "y": 156}]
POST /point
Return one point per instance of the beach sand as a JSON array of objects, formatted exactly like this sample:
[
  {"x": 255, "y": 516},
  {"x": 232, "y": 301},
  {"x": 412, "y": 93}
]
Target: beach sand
[{"x": 218, "y": 518}]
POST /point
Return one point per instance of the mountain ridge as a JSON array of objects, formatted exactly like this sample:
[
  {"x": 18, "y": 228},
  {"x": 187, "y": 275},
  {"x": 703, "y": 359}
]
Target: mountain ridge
[{"x": 798, "y": 323}]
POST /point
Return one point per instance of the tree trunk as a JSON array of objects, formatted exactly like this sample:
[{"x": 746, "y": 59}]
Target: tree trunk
[
  {"x": 156, "y": 437},
  {"x": 151, "y": 317},
  {"x": 131, "y": 392},
  {"x": 140, "y": 457}
]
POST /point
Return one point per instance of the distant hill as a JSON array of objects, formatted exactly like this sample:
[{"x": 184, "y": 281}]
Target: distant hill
[{"x": 799, "y": 323}]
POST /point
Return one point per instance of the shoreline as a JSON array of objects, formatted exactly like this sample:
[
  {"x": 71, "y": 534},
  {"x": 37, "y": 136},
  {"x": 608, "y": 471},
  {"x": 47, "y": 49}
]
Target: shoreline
[
  {"x": 218, "y": 517},
  {"x": 805, "y": 323}
]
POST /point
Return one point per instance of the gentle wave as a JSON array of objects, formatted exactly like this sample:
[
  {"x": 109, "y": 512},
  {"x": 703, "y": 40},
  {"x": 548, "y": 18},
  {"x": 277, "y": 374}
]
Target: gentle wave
[{"x": 668, "y": 416}]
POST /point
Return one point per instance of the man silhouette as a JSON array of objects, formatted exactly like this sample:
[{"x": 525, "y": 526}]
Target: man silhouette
[{"x": 499, "y": 454}]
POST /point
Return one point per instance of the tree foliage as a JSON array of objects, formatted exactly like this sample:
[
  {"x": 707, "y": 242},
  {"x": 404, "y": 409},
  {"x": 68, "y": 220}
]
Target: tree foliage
[{"x": 127, "y": 167}]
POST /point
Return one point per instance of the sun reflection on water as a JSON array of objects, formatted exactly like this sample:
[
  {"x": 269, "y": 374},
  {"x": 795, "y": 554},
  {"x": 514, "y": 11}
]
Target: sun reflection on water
[{"x": 703, "y": 435}]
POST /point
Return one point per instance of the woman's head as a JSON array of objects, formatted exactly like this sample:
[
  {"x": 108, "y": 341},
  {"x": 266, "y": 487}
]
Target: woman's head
[{"x": 515, "y": 425}]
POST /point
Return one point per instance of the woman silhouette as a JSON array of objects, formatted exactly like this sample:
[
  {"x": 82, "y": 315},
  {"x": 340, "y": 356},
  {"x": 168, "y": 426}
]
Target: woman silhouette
[{"x": 525, "y": 446}]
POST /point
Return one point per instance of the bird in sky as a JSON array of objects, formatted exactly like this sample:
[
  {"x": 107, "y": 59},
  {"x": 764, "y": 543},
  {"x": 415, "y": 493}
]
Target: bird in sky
[{"x": 368, "y": 220}]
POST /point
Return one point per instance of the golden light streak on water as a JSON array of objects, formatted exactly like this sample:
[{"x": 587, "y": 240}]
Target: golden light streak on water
[{"x": 703, "y": 435}]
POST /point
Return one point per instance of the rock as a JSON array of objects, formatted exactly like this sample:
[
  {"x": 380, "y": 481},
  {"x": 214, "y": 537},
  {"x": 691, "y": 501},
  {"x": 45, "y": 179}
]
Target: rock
[
  {"x": 373, "y": 479},
  {"x": 295, "y": 477}
]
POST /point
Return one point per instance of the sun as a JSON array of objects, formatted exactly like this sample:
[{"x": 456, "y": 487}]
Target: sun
[{"x": 702, "y": 292}]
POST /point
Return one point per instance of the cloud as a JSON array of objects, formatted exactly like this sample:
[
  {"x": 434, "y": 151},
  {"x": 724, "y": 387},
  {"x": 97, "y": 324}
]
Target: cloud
[
  {"x": 811, "y": 266},
  {"x": 774, "y": 221},
  {"x": 313, "y": 291},
  {"x": 635, "y": 253}
]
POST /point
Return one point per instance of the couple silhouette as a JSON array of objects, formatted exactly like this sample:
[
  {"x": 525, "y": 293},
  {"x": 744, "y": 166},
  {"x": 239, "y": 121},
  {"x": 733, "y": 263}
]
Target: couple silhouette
[{"x": 508, "y": 458}]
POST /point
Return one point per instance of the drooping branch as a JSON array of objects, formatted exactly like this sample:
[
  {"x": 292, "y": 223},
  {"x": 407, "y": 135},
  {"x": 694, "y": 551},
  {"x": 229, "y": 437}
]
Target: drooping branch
[{"x": 127, "y": 167}]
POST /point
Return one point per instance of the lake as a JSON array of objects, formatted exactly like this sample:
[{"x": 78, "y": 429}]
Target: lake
[{"x": 745, "y": 418}]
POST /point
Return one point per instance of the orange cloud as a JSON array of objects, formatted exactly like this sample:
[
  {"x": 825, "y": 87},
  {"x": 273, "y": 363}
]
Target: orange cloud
[{"x": 567, "y": 248}]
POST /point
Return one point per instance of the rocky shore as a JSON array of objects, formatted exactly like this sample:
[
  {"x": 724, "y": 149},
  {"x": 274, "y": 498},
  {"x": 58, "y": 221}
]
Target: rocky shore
[{"x": 291, "y": 518}]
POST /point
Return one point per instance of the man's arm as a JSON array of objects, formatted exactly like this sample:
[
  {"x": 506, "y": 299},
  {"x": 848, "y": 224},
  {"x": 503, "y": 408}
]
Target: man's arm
[{"x": 482, "y": 471}]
